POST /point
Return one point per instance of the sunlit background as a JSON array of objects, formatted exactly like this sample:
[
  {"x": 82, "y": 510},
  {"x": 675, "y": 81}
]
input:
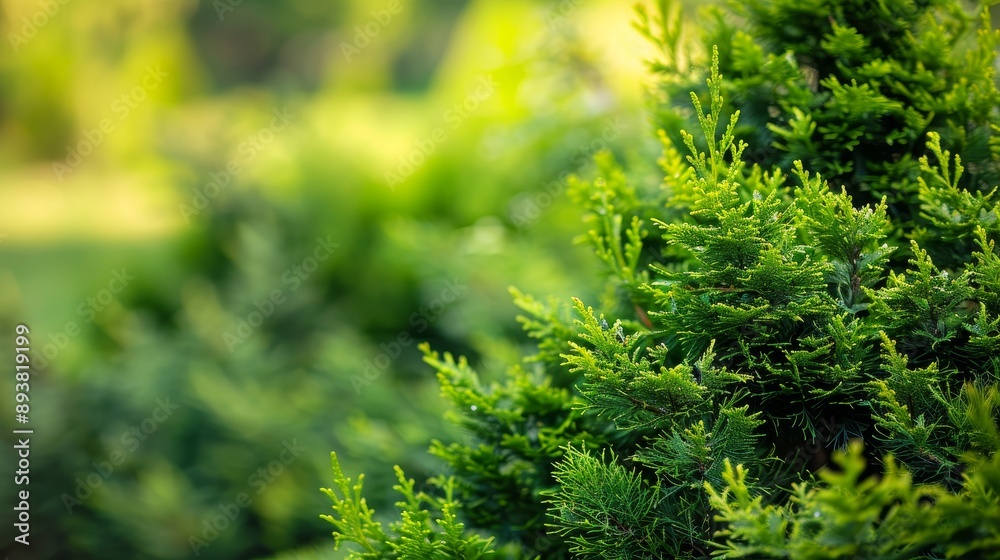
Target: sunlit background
[{"x": 229, "y": 223}]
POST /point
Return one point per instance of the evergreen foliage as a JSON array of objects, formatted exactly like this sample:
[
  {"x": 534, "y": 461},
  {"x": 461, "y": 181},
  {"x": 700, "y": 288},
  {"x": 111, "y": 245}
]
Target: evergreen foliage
[
  {"x": 797, "y": 356},
  {"x": 852, "y": 89},
  {"x": 416, "y": 536}
]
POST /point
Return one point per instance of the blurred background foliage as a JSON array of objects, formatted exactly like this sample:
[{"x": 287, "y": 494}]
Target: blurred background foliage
[{"x": 484, "y": 209}]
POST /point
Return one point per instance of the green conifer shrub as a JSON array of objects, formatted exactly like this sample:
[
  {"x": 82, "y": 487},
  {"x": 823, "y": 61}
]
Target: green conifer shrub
[
  {"x": 851, "y": 88},
  {"x": 780, "y": 368}
]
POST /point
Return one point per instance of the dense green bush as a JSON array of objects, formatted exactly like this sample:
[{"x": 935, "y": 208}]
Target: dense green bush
[
  {"x": 796, "y": 358},
  {"x": 851, "y": 89}
]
